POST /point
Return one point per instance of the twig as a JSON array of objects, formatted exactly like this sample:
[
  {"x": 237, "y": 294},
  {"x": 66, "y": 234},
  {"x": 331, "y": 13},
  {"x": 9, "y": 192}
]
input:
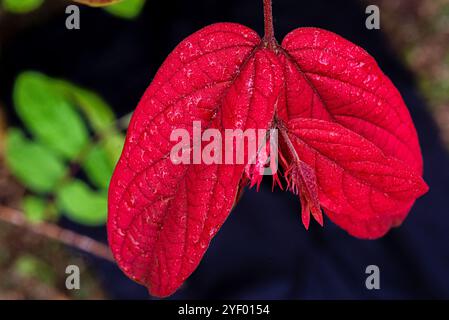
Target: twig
[
  {"x": 52, "y": 231},
  {"x": 98, "y": 3}
]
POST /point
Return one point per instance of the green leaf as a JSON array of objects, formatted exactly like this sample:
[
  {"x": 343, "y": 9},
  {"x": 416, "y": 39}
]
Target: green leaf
[
  {"x": 49, "y": 115},
  {"x": 96, "y": 110},
  {"x": 21, "y": 6},
  {"x": 100, "y": 161},
  {"x": 37, "y": 209},
  {"x": 81, "y": 204},
  {"x": 29, "y": 266},
  {"x": 37, "y": 167},
  {"x": 126, "y": 9},
  {"x": 34, "y": 208},
  {"x": 98, "y": 167},
  {"x": 113, "y": 145}
]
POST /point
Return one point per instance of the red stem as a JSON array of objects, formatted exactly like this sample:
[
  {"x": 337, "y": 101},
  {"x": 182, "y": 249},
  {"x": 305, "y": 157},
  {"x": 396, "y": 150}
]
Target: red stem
[{"x": 268, "y": 22}]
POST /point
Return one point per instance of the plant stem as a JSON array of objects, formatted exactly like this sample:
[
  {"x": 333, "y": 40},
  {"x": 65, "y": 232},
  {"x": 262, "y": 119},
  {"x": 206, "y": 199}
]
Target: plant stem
[
  {"x": 268, "y": 23},
  {"x": 290, "y": 146},
  {"x": 52, "y": 231}
]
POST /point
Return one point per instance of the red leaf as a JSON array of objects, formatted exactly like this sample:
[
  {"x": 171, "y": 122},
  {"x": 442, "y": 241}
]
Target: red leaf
[
  {"x": 162, "y": 216},
  {"x": 360, "y": 188},
  {"x": 330, "y": 78},
  {"x": 348, "y": 144}
]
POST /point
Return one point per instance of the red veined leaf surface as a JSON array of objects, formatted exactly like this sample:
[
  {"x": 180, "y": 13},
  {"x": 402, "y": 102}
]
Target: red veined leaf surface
[
  {"x": 330, "y": 78},
  {"x": 359, "y": 187},
  {"x": 348, "y": 145},
  {"x": 162, "y": 216}
]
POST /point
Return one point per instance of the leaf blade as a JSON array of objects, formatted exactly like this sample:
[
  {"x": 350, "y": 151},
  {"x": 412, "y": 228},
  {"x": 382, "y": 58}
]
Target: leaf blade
[
  {"x": 357, "y": 182},
  {"x": 153, "y": 220},
  {"x": 332, "y": 79},
  {"x": 37, "y": 167},
  {"x": 21, "y": 6},
  {"x": 48, "y": 115},
  {"x": 81, "y": 204},
  {"x": 127, "y": 9}
]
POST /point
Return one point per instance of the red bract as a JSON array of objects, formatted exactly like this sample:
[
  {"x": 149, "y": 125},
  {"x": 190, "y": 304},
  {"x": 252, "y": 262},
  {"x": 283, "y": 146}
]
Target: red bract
[{"x": 347, "y": 144}]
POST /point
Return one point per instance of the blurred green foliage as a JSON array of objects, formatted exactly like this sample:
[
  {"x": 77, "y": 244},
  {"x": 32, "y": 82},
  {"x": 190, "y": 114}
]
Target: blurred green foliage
[
  {"x": 49, "y": 115},
  {"x": 125, "y": 9},
  {"x": 36, "y": 209},
  {"x": 80, "y": 204},
  {"x": 71, "y": 130},
  {"x": 32, "y": 163},
  {"x": 21, "y": 6},
  {"x": 28, "y": 266}
]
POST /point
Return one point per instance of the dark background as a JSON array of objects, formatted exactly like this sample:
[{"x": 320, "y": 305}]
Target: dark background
[{"x": 263, "y": 250}]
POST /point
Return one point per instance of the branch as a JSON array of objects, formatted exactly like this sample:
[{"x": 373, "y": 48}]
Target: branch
[
  {"x": 52, "y": 231},
  {"x": 97, "y": 3}
]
